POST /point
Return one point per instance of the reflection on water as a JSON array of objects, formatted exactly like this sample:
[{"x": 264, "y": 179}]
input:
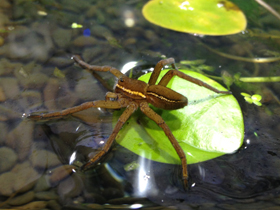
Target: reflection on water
[{"x": 39, "y": 162}]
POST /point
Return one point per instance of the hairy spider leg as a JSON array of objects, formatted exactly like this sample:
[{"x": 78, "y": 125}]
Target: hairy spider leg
[
  {"x": 158, "y": 67},
  {"x": 168, "y": 76},
  {"x": 93, "y": 68},
  {"x": 121, "y": 103},
  {"x": 123, "y": 118},
  {"x": 144, "y": 107}
]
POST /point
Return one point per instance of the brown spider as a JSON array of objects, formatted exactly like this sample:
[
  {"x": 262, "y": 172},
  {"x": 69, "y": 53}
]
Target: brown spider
[{"x": 133, "y": 94}]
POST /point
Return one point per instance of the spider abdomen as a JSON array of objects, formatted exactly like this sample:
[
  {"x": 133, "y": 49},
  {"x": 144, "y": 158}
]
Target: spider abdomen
[{"x": 165, "y": 98}]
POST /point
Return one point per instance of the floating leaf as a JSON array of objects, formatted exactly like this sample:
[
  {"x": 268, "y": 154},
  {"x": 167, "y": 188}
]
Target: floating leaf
[
  {"x": 255, "y": 99},
  {"x": 76, "y": 25},
  {"x": 210, "y": 126},
  {"x": 257, "y": 103},
  {"x": 246, "y": 95},
  {"x": 248, "y": 100},
  {"x": 207, "y": 17}
]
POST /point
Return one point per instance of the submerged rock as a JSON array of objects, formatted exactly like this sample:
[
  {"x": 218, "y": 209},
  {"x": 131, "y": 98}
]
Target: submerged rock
[
  {"x": 62, "y": 37},
  {"x": 10, "y": 87},
  {"x": 60, "y": 173},
  {"x": 2, "y": 95},
  {"x": 26, "y": 176},
  {"x": 34, "y": 205},
  {"x": 8, "y": 159},
  {"x": 70, "y": 187},
  {"x": 21, "y": 138},
  {"x": 7, "y": 181},
  {"x": 47, "y": 195},
  {"x": 44, "y": 159},
  {"x": 22, "y": 199}
]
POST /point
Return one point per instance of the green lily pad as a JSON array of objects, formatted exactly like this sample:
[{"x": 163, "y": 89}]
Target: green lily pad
[
  {"x": 210, "y": 126},
  {"x": 206, "y": 17}
]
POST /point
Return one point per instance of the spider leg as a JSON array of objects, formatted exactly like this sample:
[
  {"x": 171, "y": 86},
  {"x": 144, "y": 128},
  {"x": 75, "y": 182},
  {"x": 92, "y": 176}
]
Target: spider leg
[
  {"x": 144, "y": 107},
  {"x": 93, "y": 68},
  {"x": 158, "y": 67},
  {"x": 123, "y": 118},
  {"x": 168, "y": 76},
  {"x": 120, "y": 103}
]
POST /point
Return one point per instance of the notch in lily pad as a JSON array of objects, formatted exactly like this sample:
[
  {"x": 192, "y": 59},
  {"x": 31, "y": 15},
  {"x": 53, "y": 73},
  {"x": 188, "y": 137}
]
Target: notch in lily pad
[{"x": 205, "y": 17}]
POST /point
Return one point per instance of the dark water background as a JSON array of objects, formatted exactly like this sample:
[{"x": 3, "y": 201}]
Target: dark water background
[{"x": 37, "y": 74}]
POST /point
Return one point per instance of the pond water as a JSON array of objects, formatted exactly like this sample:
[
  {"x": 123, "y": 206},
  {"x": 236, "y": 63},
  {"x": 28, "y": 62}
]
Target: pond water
[{"x": 39, "y": 160}]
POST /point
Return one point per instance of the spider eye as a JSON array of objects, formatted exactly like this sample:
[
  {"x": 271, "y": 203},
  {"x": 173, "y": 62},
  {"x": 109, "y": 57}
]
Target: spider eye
[{"x": 121, "y": 79}]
